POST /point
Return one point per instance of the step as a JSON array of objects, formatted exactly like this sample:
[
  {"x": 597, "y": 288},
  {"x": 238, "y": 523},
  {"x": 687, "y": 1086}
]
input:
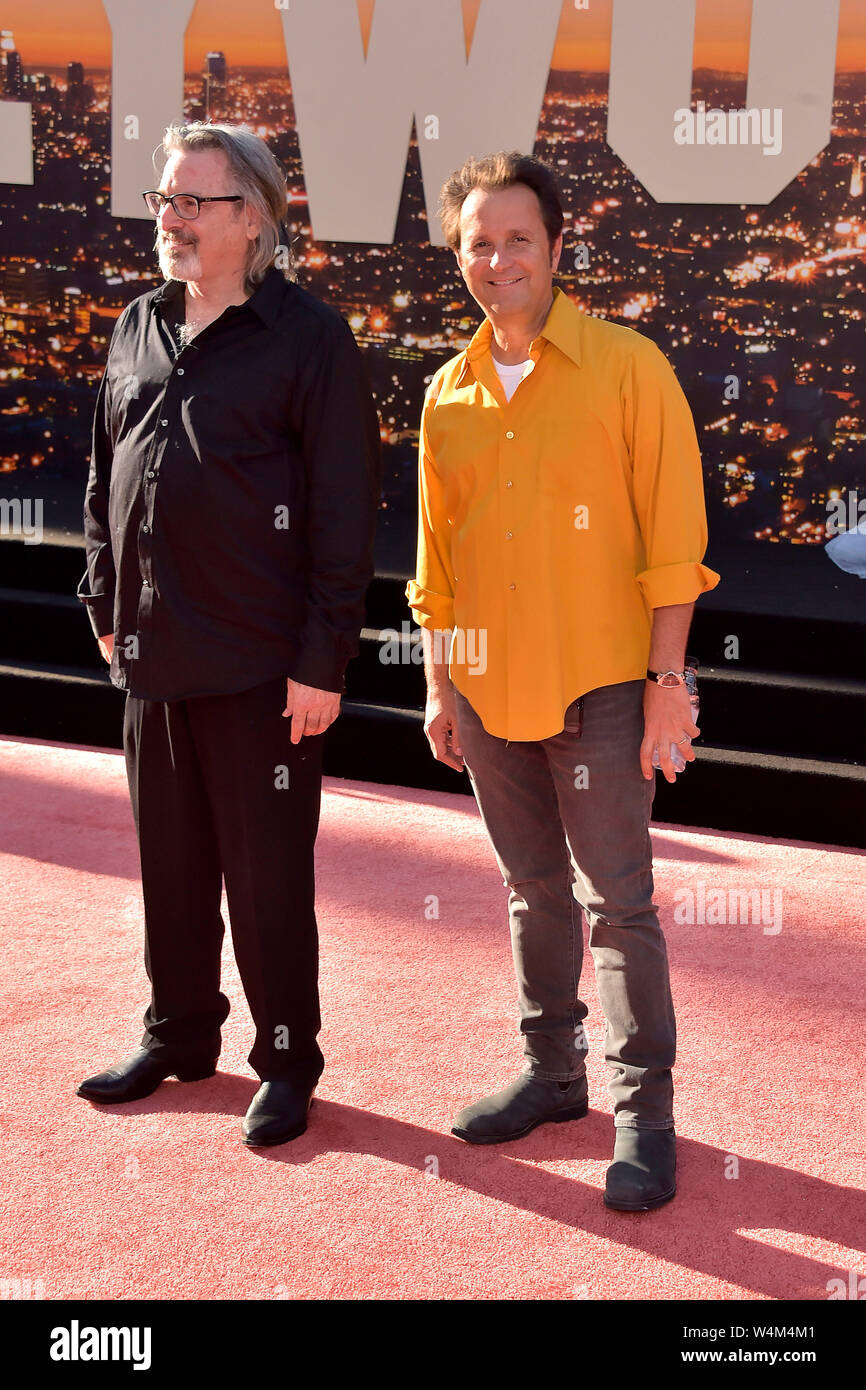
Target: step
[
  {"x": 793, "y": 715},
  {"x": 798, "y": 715},
  {"x": 790, "y": 714},
  {"x": 728, "y": 789},
  {"x": 779, "y": 643}
]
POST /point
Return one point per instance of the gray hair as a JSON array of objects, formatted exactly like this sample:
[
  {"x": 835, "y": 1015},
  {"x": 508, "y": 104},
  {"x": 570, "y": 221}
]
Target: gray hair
[{"x": 258, "y": 175}]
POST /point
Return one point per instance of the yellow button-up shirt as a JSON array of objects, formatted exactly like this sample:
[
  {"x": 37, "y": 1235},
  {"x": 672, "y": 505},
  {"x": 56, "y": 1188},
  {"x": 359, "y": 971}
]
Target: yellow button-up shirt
[{"x": 552, "y": 525}]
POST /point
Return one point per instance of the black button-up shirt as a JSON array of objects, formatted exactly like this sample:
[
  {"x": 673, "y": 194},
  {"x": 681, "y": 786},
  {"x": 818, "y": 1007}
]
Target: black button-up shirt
[{"x": 232, "y": 498}]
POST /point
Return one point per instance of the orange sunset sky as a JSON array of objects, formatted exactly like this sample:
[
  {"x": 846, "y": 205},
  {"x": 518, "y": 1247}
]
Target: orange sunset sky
[{"x": 50, "y": 33}]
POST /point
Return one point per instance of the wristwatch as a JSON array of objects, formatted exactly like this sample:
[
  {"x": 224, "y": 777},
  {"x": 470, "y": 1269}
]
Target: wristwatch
[{"x": 667, "y": 679}]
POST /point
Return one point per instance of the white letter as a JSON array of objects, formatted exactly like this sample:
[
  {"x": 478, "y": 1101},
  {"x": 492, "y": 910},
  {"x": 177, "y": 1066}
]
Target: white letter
[
  {"x": 792, "y": 68},
  {"x": 683, "y": 132},
  {"x": 354, "y": 150},
  {"x": 717, "y": 128},
  {"x": 716, "y": 907},
  {"x": 16, "y": 142},
  {"x": 477, "y": 659},
  {"x": 147, "y": 78},
  {"x": 141, "y": 1348},
  {"x": 59, "y": 1350},
  {"x": 835, "y": 522},
  {"x": 685, "y": 909},
  {"x": 775, "y": 131},
  {"x": 33, "y": 528},
  {"x": 775, "y": 922}
]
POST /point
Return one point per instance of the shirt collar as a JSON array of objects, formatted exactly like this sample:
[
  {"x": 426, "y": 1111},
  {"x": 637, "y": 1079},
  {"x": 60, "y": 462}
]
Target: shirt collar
[
  {"x": 265, "y": 300},
  {"x": 168, "y": 290},
  {"x": 562, "y": 328}
]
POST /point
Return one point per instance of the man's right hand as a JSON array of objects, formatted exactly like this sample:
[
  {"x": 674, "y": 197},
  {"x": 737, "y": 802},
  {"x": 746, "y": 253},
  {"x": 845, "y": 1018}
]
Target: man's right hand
[
  {"x": 440, "y": 726},
  {"x": 106, "y": 646}
]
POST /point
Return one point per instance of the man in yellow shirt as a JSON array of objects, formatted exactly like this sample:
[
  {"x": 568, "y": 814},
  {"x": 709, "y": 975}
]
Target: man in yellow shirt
[{"x": 561, "y": 532}]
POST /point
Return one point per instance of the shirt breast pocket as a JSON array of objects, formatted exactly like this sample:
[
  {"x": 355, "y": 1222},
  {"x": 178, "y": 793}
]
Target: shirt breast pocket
[
  {"x": 576, "y": 465},
  {"x": 134, "y": 397}
]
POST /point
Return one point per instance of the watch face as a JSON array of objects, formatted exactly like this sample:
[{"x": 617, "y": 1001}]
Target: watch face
[{"x": 669, "y": 679}]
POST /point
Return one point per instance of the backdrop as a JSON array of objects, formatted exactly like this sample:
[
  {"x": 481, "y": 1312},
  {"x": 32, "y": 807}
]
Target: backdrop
[{"x": 711, "y": 154}]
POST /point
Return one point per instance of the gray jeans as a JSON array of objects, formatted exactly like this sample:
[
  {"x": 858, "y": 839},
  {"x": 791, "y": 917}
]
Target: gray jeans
[{"x": 568, "y": 819}]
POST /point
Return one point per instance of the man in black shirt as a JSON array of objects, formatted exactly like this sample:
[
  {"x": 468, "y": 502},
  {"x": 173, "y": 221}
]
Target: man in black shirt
[{"x": 229, "y": 521}]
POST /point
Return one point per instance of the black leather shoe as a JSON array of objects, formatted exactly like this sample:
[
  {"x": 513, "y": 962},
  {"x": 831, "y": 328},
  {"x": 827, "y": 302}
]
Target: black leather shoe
[
  {"x": 278, "y": 1113},
  {"x": 138, "y": 1075},
  {"x": 642, "y": 1175},
  {"x": 514, "y": 1111}
]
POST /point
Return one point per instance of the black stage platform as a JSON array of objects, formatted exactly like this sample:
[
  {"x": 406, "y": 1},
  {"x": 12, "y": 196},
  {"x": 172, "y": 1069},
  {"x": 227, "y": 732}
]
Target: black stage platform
[{"x": 783, "y": 725}]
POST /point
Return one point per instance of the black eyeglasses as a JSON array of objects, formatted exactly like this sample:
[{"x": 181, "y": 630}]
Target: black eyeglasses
[{"x": 186, "y": 205}]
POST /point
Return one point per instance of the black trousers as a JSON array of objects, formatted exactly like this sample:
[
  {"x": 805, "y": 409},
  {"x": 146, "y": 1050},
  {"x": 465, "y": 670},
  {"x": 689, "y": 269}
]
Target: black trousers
[{"x": 218, "y": 789}]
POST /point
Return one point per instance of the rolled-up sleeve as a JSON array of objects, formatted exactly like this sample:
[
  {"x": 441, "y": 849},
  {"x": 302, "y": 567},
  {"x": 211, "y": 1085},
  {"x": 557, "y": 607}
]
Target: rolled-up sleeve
[
  {"x": 97, "y": 586},
  {"x": 431, "y": 592},
  {"x": 667, "y": 481}
]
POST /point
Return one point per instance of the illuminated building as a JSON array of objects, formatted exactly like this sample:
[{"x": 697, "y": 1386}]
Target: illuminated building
[{"x": 214, "y": 82}]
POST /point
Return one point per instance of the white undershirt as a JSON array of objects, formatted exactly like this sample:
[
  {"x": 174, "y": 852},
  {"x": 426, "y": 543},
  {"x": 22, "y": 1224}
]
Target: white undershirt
[{"x": 511, "y": 376}]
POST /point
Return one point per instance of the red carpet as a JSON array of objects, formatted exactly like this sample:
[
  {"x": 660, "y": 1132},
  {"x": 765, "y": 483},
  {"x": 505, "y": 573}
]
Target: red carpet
[{"x": 159, "y": 1199}]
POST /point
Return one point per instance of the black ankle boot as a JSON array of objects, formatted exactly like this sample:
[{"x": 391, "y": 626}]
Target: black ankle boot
[
  {"x": 138, "y": 1075},
  {"x": 642, "y": 1175},
  {"x": 278, "y": 1113},
  {"x": 514, "y": 1111}
]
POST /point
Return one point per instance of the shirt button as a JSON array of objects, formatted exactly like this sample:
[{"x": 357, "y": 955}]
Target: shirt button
[
  {"x": 509, "y": 434},
  {"x": 512, "y": 586},
  {"x": 163, "y": 422},
  {"x": 145, "y": 528},
  {"x": 151, "y": 474},
  {"x": 508, "y": 536},
  {"x": 509, "y": 483},
  {"x": 180, "y": 371}
]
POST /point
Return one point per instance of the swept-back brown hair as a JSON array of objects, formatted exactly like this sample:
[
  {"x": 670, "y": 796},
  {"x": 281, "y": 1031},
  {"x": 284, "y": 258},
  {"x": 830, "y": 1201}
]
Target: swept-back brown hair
[{"x": 494, "y": 171}]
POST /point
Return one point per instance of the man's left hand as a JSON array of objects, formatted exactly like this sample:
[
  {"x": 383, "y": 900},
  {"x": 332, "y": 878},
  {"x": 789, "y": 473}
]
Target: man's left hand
[
  {"x": 667, "y": 720},
  {"x": 310, "y": 710}
]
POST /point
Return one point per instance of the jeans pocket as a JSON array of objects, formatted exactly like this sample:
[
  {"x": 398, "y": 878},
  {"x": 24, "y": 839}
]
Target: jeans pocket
[{"x": 574, "y": 718}]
